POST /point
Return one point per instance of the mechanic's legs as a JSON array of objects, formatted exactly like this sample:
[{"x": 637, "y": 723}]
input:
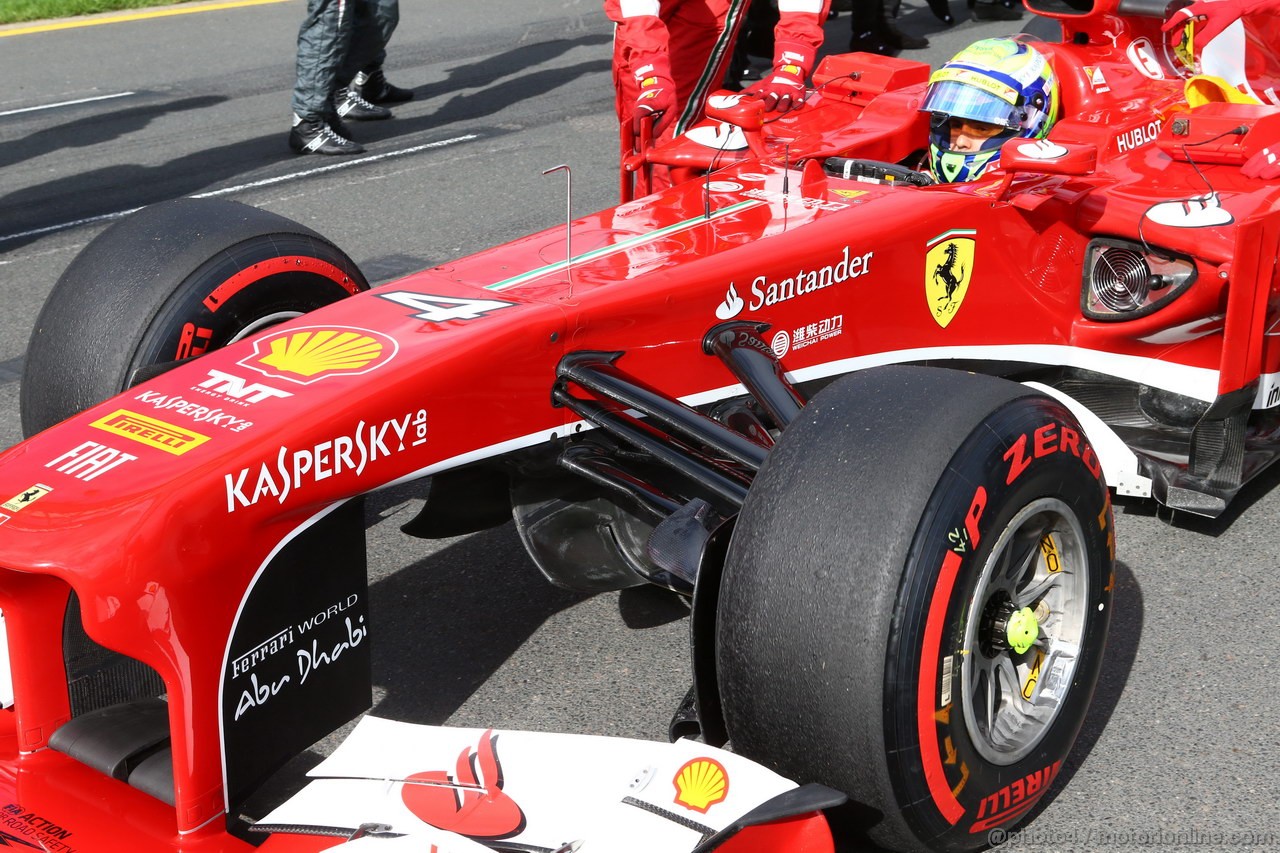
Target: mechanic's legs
[
  {"x": 871, "y": 32},
  {"x": 323, "y": 41},
  {"x": 362, "y": 72},
  {"x": 755, "y": 38}
]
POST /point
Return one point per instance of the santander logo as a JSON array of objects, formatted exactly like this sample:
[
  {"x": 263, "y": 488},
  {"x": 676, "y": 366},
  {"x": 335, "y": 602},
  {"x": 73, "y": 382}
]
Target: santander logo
[
  {"x": 799, "y": 283},
  {"x": 732, "y": 305}
]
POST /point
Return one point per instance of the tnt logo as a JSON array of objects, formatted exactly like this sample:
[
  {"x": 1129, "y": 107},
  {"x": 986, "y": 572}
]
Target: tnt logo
[{"x": 238, "y": 389}]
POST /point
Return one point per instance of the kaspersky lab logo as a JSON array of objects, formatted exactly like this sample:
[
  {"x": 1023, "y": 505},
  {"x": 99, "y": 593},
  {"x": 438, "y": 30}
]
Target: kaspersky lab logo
[{"x": 312, "y": 353}]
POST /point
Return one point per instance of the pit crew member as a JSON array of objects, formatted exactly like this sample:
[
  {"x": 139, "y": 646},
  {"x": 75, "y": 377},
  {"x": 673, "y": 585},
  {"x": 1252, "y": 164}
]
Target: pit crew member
[
  {"x": 668, "y": 54},
  {"x": 1192, "y": 28}
]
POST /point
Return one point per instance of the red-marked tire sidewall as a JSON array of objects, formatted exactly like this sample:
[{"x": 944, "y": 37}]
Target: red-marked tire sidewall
[
  {"x": 262, "y": 278},
  {"x": 171, "y": 282},
  {"x": 1027, "y": 452},
  {"x": 835, "y": 615}
]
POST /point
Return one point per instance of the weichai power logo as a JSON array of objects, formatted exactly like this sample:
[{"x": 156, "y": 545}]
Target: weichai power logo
[
  {"x": 150, "y": 431},
  {"x": 313, "y": 353}
]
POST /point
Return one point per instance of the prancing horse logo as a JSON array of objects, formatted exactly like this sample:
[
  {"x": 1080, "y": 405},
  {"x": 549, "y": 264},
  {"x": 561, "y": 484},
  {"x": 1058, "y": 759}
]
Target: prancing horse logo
[{"x": 948, "y": 269}]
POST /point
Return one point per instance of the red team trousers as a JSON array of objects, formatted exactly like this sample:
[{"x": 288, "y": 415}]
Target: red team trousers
[{"x": 697, "y": 37}]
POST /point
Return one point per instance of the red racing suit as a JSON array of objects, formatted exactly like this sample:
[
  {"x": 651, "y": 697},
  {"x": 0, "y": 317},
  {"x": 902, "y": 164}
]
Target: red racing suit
[{"x": 697, "y": 37}]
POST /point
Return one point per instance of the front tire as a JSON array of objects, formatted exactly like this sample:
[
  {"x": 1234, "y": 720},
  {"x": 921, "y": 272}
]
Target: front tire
[
  {"x": 916, "y": 600},
  {"x": 170, "y": 282}
]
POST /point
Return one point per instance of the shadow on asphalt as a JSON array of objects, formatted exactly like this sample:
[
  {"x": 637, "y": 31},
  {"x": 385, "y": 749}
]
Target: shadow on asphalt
[
  {"x": 475, "y": 105},
  {"x": 1123, "y": 640},
  {"x": 109, "y": 190},
  {"x": 97, "y": 129},
  {"x": 1253, "y": 491}
]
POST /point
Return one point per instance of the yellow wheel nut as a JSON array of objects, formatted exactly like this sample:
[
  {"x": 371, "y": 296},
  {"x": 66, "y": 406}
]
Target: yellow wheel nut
[{"x": 1023, "y": 630}]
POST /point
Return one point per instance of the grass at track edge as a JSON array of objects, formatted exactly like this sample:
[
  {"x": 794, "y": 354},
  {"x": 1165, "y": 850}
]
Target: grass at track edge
[{"x": 24, "y": 11}]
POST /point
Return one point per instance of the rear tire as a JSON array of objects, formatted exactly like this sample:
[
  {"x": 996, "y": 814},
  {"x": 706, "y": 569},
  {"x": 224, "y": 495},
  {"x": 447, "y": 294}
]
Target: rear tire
[
  {"x": 170, "y": 282},
  {"x": 865, "y": 631}
]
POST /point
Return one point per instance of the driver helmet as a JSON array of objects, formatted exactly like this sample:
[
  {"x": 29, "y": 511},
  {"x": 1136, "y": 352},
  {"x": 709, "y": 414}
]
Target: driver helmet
[{"x": 992, "y": 91}]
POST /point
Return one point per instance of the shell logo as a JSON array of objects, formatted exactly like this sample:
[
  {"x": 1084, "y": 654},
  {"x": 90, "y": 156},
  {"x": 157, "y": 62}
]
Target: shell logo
[
  {"x": 313, "y": 353},
  {"x": 700, "y": 784}
]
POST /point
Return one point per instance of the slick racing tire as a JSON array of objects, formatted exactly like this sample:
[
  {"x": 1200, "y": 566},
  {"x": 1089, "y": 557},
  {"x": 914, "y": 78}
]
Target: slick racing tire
[
  {"x": 170, "y": 282},
  {"x": 915, "y": 601}
]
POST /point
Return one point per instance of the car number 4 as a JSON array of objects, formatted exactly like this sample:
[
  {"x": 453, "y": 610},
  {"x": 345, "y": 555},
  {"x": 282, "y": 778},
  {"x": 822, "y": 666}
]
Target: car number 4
[{"x": 440, "y": 309}]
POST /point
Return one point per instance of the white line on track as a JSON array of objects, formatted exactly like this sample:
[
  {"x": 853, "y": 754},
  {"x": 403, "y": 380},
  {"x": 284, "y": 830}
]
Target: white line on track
[
  {"x": 252, "y": 185},
  {"x": 67, "y": 103}
]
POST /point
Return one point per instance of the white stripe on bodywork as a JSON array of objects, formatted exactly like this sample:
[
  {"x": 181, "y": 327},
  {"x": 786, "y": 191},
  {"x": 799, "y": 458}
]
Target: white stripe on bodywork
[
  {"x": 1198, "y": 382},
  {"x": 1115, "y": 459},
  {"x": 1268, "y": 391},
  {"x": 785, "y": 6},
  {"x": 629, "y": 243},
  {"x": 1119, "y": 463}
]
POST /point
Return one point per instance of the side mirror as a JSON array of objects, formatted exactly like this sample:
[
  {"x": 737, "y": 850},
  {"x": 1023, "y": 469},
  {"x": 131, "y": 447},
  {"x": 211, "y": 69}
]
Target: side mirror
[
  {"x": 742, "y": 110},
  {"x": 1048, "y": 158},
  {"x": 745, "y": 111}
]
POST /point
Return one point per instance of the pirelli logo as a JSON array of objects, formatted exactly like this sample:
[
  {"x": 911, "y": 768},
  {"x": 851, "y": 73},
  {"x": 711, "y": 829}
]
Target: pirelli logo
[{"x": 145, "y": 430}]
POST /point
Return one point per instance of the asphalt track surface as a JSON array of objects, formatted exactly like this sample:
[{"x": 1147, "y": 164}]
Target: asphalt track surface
[{"x": 1180, "y": 751}]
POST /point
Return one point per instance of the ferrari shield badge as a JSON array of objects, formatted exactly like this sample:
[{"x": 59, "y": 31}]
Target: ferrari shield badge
[{"x": 948, "y": 267}]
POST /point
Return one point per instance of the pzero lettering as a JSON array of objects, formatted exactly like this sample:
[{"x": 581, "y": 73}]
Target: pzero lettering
[{"x": 1045, "y": 440}]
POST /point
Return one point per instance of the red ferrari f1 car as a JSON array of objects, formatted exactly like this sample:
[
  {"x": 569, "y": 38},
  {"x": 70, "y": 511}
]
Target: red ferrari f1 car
[{"x": 804, "y": 388}]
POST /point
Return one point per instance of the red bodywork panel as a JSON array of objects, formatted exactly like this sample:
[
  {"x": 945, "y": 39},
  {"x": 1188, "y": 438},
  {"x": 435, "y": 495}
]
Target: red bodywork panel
[{"x": 134, "y": 501}]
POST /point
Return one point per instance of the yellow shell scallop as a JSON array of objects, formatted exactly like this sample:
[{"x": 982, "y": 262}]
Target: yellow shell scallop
[
  {"x": 309, "y": 353},
  {"x": 700, "y": 784}
]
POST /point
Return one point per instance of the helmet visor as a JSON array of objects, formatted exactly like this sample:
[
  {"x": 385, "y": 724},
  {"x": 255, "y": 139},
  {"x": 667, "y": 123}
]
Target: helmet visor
[{"x": 962, "y": 100}]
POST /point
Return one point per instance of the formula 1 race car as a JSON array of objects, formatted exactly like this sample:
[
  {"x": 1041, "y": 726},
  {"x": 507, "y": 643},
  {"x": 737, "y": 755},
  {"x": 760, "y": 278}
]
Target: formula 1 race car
[{"x": 821, "y": 398}]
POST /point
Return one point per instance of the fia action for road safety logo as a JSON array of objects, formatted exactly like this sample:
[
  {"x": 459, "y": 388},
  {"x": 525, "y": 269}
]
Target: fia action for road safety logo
[{"x": 948, "y": 268}]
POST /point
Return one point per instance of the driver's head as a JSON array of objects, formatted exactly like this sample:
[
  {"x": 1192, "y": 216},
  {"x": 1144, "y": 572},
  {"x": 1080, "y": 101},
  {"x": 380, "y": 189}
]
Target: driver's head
[{"x": 992, "y": 91}]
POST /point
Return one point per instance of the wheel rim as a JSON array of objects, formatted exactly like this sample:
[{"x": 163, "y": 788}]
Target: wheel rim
[
  {"x": 263, "y": 323},
  {"x": 1023, "y": 631}
]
